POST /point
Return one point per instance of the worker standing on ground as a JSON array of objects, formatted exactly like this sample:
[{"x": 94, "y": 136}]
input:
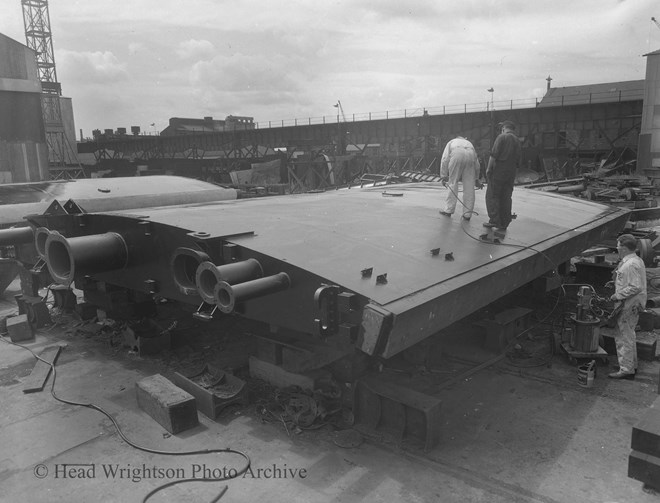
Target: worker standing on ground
[
  {"x": 630, "y": 290},
  {"x": 505, "y": 158},
  {"x": 459, "y": 164}
]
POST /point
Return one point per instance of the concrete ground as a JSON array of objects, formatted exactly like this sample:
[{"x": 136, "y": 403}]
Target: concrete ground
[{"x": 510, "y": 434}]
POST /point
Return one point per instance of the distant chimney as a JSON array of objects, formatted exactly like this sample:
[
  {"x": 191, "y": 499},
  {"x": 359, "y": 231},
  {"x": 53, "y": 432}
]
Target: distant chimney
[{"x": 549, "y": 79}]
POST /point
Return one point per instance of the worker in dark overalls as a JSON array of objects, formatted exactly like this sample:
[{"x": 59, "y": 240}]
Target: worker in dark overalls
[{"x": 505, "y": 158}]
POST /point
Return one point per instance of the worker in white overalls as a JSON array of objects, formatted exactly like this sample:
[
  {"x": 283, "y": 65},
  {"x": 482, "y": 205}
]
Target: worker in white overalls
[
  {"x": 459, "y": 164},
  {"x": 630, "y": 290}
]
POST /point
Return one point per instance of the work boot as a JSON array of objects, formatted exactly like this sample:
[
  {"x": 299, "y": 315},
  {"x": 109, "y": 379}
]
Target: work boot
[
  {"x": 621, "y": 375},
  {"x": 618, "y": 369},
  {"x": 445, "y": 213}
]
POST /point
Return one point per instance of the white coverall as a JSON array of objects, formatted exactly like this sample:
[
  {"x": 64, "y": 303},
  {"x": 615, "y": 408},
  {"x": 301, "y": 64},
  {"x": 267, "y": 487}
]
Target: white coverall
[
  {"x": 629, "y": 287},
  {"x": 460, "y": 163}
]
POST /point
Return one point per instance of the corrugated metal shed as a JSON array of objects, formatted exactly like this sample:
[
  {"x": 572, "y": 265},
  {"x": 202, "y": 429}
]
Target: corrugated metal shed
[{"x": 608, "y": 92}]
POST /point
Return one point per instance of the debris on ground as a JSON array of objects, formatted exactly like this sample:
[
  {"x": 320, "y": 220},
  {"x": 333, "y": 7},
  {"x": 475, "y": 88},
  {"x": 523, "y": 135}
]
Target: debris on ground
[{"x": 299, "y": 409}]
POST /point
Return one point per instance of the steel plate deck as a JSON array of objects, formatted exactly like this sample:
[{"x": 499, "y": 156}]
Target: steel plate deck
[
  {"x": 105, "y": 194},
  {"x": 335, "y": 235}
]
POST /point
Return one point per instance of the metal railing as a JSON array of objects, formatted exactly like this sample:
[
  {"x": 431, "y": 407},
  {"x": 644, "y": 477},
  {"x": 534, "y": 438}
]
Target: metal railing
[{"x": 487, "y": 106}]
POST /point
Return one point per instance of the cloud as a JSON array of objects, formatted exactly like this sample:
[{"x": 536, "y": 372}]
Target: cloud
[
  {"x": 97, "y": 67},
  {"x": 195, "y": 49},
  {"x": 243, "y": 84},
  {"x": 294, "y": 58},
  {"x": 241, "y": 73},
  {"x": 135, "y": 47},
  {"x": 397, "y": 10}
]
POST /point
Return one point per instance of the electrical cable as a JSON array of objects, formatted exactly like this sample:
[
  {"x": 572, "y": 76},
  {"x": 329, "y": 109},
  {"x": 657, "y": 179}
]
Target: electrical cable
[{"x": 232, "y": 475}]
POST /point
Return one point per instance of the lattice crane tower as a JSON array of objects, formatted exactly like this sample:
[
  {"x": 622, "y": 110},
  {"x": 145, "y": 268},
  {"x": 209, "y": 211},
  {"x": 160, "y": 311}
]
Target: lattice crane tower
[{"x": 36, "y": 19}]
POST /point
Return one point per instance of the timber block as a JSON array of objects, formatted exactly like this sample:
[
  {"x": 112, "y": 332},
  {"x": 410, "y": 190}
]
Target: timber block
[
  {"x": 35, "y": 308},
  {"x": 19, "y": 328},
  {"x": 504, "y": 327},
  {"x": 37, "y": 311},
  {"x": 646, "y": 321},
  {"x": 645, "y": 468},
  {"x": 646, "y": 344},
  {"x": 646, "y": 433},
  {"x": 85, "y": 311},
  {"x": 63, "y": 298},
  {"x": 213, "y": 390},
  {"x": 281, "y": 378},
  {"x": 269, "y": 351},
  {"x": 170, "y": 406},
  {"x": 381, "y": 405},
  {"x": 29, "y": 282}
]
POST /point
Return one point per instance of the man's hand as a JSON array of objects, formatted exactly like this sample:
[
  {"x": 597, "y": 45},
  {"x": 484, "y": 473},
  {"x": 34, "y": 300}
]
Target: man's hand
[
  {"x": 479, "y": 184},
  {"x": 614, "y": 297},
  {"x": 609, "y": 284},
  {"x": 444, "y": 180}
]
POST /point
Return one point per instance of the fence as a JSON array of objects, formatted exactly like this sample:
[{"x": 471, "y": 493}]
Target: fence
[{"x": 548, "y": 101}]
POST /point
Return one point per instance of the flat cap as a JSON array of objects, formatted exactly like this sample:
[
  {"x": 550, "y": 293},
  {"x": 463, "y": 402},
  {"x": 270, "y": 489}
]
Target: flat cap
[{"x": 508, "y": 124}]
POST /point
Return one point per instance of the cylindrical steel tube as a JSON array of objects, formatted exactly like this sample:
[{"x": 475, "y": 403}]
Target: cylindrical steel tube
[
  {"x": 227, "y": 296},
  {"x": 16, "y": 236},
  {"x": 184, "y": 264},
  {"x": 208, "y": 275},
  {"x": 40, "y": 237},
  {"x": 67, "y": 257}
]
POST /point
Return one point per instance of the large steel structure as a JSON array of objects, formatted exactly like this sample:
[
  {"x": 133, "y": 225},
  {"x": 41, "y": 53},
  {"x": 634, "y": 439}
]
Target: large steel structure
[
  {"x": 20, "y": 199},
  {"x": 38, "y": 36},
  {"x": 375, "y": 269},
  {"x": 589, "y": 132}
]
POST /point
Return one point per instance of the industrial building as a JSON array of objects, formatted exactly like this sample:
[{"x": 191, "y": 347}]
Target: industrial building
[{"x": 23, "y": 150}]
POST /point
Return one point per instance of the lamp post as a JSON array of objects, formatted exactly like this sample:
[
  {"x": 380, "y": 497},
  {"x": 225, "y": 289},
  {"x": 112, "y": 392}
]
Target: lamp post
[
  {"x": 492, "y": 125},
  {"x": 338, "y": 145}
]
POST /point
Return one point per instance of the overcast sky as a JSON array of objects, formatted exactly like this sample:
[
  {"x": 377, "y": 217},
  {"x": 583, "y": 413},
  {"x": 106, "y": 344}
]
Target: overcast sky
[{"x": 133, "y": 63}]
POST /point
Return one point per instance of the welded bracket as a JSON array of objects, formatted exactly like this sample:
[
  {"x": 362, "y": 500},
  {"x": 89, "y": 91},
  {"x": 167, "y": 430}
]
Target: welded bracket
[
  {"x": 326, "y": 301},
  {"x": 39, "y": 266},
  {"x": 202, "y": 315},
  {"x": 71, "y": 207},
  {"x": 55, "y": 208}
]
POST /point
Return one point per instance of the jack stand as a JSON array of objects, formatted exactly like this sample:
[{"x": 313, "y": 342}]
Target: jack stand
[{"x": 204, "y": 316}]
